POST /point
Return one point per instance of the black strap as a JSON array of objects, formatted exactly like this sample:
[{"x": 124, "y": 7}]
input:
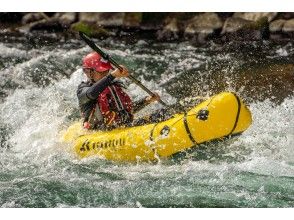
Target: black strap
[
  {"x": 188, "y": 129},
  {"x": 151, "y": 133},
  {"x": 116, "y": 98},
  {"x": 238, "y": 113}
]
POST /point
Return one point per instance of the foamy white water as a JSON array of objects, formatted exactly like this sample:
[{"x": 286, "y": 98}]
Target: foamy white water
[{"x": 255, "y": 169}]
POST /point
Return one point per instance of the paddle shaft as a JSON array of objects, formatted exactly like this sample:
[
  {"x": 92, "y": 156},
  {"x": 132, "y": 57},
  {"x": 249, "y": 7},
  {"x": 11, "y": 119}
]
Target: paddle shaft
[{"x": 113, "y": 62}]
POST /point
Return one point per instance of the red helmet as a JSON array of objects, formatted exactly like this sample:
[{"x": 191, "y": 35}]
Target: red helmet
[{"x": 95, "y": 61}]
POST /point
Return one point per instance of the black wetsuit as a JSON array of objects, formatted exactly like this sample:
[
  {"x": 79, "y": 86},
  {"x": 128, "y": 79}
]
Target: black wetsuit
[{"x": 89, "y": 91}]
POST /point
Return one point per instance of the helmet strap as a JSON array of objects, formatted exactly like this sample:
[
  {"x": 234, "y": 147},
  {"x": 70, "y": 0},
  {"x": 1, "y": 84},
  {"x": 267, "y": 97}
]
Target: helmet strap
[{"x": 92, "y": 74}]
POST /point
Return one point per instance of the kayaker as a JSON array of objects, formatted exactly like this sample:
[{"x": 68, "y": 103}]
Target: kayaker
[{"x": 103, "y": 102}]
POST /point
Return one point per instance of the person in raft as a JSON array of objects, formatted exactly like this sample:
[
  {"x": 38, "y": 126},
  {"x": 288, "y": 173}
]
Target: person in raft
[{"x": 103, "y": 102}]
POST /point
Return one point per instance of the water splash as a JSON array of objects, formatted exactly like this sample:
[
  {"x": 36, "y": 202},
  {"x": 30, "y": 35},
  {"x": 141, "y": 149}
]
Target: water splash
[{"x": 37, "y": 170}]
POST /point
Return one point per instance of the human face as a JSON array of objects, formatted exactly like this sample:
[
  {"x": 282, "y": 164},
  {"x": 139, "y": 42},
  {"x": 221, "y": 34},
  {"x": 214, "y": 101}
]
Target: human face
[{"x": 94, "y": 75}]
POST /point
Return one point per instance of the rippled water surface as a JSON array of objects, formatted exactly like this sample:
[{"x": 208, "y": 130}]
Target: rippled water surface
[{"x": 39, "y": 76}]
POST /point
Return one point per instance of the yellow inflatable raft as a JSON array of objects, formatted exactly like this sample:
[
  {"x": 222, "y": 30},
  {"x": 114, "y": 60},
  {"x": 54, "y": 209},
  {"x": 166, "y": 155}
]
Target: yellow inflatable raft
[{"x": 220, "y": 116}]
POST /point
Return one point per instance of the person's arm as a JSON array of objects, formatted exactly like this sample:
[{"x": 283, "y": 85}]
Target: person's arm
[
  {"x": 94, "y": 91},
  {"x": 139, "y": 105},
  {"x": 87, "y": 93},
  {"x": 142, "y": 103}
]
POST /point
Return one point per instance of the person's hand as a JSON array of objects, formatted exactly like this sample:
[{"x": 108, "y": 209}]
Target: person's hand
[
  {"x": 153, "y": 98},
  {"x": 118, "y": 74}
]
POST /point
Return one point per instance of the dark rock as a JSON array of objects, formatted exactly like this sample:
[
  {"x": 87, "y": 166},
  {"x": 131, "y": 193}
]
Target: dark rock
[
  {"x": 288, "y": 28},
  {"x": 11, "y": 17},
  {"x": 254, "y": 16},
  {"x": 106, "y": 19},
  {"x": 224, "y": 15},
  {"x": 51, "y": 25},
  {"x": 66, "y": 18},
  {"x": 153, "y": 21},
  {"x": 285, "y": 15},
  {"x": 203, "y": 27},
  {"x": 32, "y": 17},
  {"x": 132, "y": 19},
  {"x": 205, "y": 23},
  {"x": 275, "y": 28},
  {"x": 232, "y": 25},
  {"x": 277, "y": 25},
  {"x": 113, "y": 19},
  {"x": 263, "y": 25},
  {"x": 240, "y": 29},
  {"x": 184, "y": 15},
  {"x": 89, "y": 17},
  {"x": 170, "y": 31}
]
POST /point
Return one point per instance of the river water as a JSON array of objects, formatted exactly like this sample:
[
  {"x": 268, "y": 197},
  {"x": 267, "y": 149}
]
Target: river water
[{"x": 39, "y": 76}]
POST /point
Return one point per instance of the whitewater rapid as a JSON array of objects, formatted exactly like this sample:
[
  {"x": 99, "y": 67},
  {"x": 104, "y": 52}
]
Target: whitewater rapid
[{"x": 255, "y": 169}]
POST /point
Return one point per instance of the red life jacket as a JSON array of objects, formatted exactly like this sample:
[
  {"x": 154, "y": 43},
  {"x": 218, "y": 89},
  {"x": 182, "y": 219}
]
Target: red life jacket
[{"x": 115, "y": 106}]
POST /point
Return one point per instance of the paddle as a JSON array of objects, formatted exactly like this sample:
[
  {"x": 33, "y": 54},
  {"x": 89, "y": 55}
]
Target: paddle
[{"x": 113, "y": 62}]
